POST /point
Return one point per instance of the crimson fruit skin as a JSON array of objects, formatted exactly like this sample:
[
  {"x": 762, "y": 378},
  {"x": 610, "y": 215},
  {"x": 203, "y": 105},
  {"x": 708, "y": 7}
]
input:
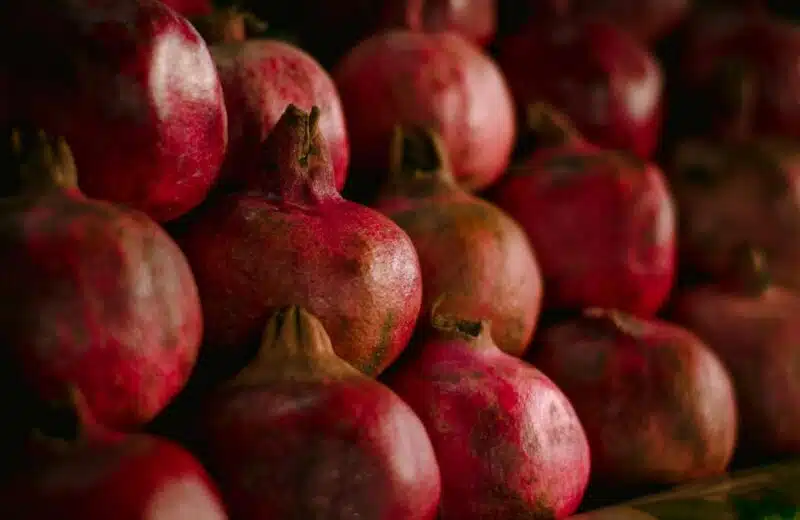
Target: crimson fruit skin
[
  {"x": 136, "y": 477},
  {"x": 648, "y": 20},
  {"x": 468, "y": 249},
  {"x": 101, "y": 298},
  {"x": 755, "y": 336},
  {"x": 742, "y": 193},
  {"x": 474, "y": 20},
  {"x": 292, "y": 239},
  {"x": 260, "y": 78},
  {"x": 438, "y": 81},
  {"x": 601, "y": 223},
  {"x": 606, "y": 82},
  {"x": 739, "y": 75},
  {"x": 508, "y": 442},
  {"x": 190, "y": 8},
  {"x": 300, "y": 434},
  {"x": 651, "y": 383},
  {"x": 132, "y": 87}
]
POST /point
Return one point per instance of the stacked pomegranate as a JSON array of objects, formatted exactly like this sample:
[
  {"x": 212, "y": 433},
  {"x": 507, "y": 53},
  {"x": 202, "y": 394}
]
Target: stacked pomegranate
[{"x": 425, "y": 285}]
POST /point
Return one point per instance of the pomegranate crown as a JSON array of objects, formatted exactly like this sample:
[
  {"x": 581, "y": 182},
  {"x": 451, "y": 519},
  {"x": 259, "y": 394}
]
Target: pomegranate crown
[
  {"x": 40, "y": 163},
  {"x": 419, "y": 163}
]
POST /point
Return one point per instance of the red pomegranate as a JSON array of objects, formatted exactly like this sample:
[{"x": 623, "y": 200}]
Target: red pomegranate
[
  {"x": 739, "y": 74},
  {"x": 731, "y": 195},
  {"x": 101, "y": 299},
  {"x": 468, "y": 248},
  {"x": 657, "y": 405},
  {"x": 474, "y": 20},
  {"x": 753, "y": 328},
  {"x": 131, "y": 86},
  {"x": 292, "y": 239},
  {"x": 438, "y": 81},
  {"x": 602, "y": 78},
  {"x": 602, "y": 223},
  {"x": 260, "y": 78},
  {"x": 100, "y": 475},
  {"x": 191, "y": 8},
  {"x": 301, "y": 434},
  {"x": 508, "y": 442}
]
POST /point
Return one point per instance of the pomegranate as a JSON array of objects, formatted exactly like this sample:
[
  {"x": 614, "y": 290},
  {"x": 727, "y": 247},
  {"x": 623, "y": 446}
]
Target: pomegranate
[
  {"x": 739, "y": 74},
  {"x": 131, "y": 86},
  {"x": 648, "y": 20},
  {"x": 260, "y": 78},
  {"x": 603, "y": 79},
  {"x": 291, "y": 238},
  {"x": 657, "y": 405},
  {"x": 602, "y": 223},
  {"x": 301, "y": 434},
  {"x": 475, "y": 20},
  {"x": 191, "y": 8},
  {"x": 438, "y": 81},
  {"x": 508, "y": 442},
  {"x": 100, "y": 298},
  {"x": 468, "y": 248},
  {"x": 753, "y": 327},
  {"x": 743, "y": 193},
  {"x": 100, "y": 475}
]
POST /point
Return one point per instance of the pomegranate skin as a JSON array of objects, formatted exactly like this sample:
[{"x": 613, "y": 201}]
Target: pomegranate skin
[
  {"x": 602, "y": 224},
  {"x": 606, "y": 82},
  {"x": 303, "y": 435},
  {"x": 508, "y": 442},
  {"x": 260, "y": 78},
  {"x": 475, "y": 20},
  {"x": 468, "y": 249},
  {"x": 291, "y": 238},
  {"x": 437, "y": 81},
  {"x": 138, "y": 477},
  {"x": 648, "y": 20},
  {"x": 101, "y": 299},
  {"x": 190, "y": 8},
  {"x": 651, "y": 383},
  {"x": 755, "y": 336},
  {"x": 132, "y": 87},
  {"x": 739, "y": 75}
]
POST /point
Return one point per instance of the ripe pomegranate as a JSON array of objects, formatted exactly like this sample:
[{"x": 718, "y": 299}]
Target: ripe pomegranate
[
  {"x": 102, "y": 475},
  {"x": 301, "y": 434},
  {"x": 293, "y": 239},
  {"x": 474, "y": 20},
  {"x": 739, "y": 74},
  {"x": 131, "y": 86},
  {"x": 508, "y": 442},
  {"x": 468, "y": 248},
  {"x": 753, "y": 328},
  {"x": 657, "y": 405},
  {"x": 260, "y": 78},
  {"x": 647, "y": 20},
  {"x": 190, "y": 8},
  {"x": 439, "y": 81},
  {"x": 100, "y": 298},
  {"x": 744, "y": 193},
  {"x": 602, "y": 223},
  {"x": 603, "y": 79}
]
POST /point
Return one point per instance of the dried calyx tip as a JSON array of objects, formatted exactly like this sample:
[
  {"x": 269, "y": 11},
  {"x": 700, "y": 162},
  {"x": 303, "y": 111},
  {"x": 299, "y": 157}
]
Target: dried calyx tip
[
  {"x": 416, "y": 151},
  {"x": 546, "y": 127},
  {"x": 42, "y": 162},
  {"x": 308, "y": 125},
  {"x": 621, "y": 320},
  {"x": 751, "y": 270}
]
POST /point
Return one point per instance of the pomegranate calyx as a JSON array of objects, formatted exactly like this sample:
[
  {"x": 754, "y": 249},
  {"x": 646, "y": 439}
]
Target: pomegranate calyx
[
  {"x": 419, "y": 163},
  {"x": 477, "y": 333},
  {"x": 295, "y": 346},
  {"x": 751, "y": 273},
  {"x": 43, "y": 164},
  {"x": 621, "y": 321},
  {"x": 546, "y": 127},
  {"x": 68, "y": 421},
  {"x": 228, "y": 25}
]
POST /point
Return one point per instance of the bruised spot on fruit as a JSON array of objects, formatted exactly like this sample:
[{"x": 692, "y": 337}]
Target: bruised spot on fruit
[{"x": 382, "y": 348}]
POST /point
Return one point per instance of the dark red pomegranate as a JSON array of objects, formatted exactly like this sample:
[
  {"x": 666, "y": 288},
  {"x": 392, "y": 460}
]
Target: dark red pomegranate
[
  {"x": 648, "y": 20},
  {"x": 131, "y": 86},
  {"x": 739, "y": 74},
  {"x": 743, "y": 193},
  {"x": 99, "y": 475},
  {"x": 508, "y": 442},
  {"x": 100, "y": 299},
  {"x": 753, "y": 328},
  {"x": 292, "y": 239},
  {"x": 301, "y": 434},
  {"x": 601, "y": 222},
  {"x": 468, "y": 249},
  {"x": 657, "y": 405},
  {"x": 597, "y": 74},
  {"x": 260, "y": 78},
  {"x": 437, "y": 81},
  {"x": 474, "y": 20},
  {"x": 191, "y": 8}
]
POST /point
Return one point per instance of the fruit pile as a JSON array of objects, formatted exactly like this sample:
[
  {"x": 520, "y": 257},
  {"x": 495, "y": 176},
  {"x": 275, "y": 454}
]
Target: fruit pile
[{"x": 400, "y": 260}]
